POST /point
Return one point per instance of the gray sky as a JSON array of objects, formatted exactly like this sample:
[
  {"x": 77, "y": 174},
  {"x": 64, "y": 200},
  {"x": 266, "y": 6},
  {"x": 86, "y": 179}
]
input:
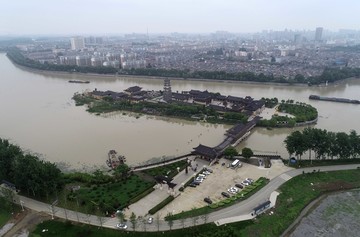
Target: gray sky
[{"x": 22, "y": 17}]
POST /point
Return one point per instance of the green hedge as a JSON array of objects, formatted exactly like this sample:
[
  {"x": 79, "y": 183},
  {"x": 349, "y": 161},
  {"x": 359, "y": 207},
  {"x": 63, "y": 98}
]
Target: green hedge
[
  {"x": 162, "y": 204},
  {"x": 141, "y": 195}
]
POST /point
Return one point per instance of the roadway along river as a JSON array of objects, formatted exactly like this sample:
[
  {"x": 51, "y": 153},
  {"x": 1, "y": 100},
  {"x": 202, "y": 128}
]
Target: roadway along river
[{"x": 37, "y": 113}]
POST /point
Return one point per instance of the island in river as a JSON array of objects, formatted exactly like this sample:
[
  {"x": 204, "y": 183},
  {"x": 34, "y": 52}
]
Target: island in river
[{"x": 197, "y": 105}]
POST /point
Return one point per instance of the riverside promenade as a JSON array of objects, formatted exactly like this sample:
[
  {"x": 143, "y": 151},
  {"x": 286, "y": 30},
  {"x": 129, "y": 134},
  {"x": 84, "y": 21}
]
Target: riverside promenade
[{"x": 233, "y": 212}]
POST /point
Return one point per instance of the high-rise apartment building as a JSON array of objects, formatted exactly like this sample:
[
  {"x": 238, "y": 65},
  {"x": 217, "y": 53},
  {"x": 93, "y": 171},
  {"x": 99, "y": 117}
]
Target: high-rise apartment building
[
  {"x": 318, "y": 33},
  {"x": 77, "y": 43}
]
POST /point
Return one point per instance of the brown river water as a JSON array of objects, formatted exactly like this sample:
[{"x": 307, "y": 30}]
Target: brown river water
[{"x": 38, "y": 114}]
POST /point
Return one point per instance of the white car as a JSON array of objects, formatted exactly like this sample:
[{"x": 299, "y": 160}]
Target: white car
[
  {"x": 199, "y": 179},
  {"x": 233, "y": 190},
  {"x": 249, "y": 180},
  {"x": 202, "y": 176},
  {"x": 150, "y": 220},
  {"x": 121, "y": 226},
  {"x": 206, "y": 173},
  {"x": 245, "y": 183}
]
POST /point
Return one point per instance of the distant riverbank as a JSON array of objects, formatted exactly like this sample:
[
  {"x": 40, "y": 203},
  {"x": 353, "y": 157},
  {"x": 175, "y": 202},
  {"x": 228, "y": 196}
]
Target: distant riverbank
[{"x": 104, "y": 76}]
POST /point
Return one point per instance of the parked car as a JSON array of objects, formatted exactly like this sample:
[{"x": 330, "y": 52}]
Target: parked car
[
  {"x": 193, "y": 184},
  {"x": 225, "y": 194},
  {"x": 150, "y": 220},
  {"x": 121, "y": 226},
  {"x": 233, "y": 190},
  {"x": 208, "y": 200},
  {"x": 206, "y": 172},
  {"x": 249, "y": 180},
  {"x": 246, "y": 182},
  {"x": 239, "y": 186},
  {"x": 202, "y": 176},
  {"x": 199, "y": 179},
  {"x": 209, "y": 170}
]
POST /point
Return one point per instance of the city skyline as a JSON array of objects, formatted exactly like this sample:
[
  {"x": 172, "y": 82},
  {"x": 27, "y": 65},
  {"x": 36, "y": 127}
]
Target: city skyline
[{"x": 159, "y": 16}]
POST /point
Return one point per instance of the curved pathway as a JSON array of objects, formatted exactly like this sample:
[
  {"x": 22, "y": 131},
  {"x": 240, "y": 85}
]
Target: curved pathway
[{"x": 241, "y": 209}]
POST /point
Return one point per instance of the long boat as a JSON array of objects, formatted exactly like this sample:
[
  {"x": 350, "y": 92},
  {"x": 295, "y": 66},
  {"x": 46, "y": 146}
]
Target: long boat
[
  {"x": 333, "y": 99},
  {"x": 78, "y": 81}
]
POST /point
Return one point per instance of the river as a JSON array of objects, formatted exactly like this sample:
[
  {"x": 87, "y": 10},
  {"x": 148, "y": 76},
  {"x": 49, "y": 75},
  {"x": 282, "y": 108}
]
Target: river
[{"x": 37, "y": 114}]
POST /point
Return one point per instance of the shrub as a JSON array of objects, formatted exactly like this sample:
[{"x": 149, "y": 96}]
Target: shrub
[{"x": 162, "y": 204}]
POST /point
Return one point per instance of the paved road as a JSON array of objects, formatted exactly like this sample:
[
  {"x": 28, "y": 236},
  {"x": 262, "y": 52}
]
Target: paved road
[{"x": 243, "y": 208}]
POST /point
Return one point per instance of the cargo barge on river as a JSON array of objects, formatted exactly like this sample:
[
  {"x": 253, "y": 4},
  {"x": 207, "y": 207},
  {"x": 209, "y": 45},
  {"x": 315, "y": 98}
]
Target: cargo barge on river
[
  {"x": 78, "y": 81},
  {"x": 334, "y": 99}
]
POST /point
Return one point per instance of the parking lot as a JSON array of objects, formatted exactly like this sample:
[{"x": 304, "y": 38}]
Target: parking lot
[{"x": 219, "y": 181}]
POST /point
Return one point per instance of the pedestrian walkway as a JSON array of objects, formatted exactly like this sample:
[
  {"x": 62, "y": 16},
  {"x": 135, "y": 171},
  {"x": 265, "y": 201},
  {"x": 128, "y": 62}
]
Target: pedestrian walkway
[
  {"x": 285, "y": 177},
  {"x": 234, "y": 219}
]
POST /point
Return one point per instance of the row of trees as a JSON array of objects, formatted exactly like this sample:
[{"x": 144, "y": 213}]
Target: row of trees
[
  {"x": 323, "y": 144},
  {"x": 246, "y": 152},
  {"x": 27, "y": 172}
]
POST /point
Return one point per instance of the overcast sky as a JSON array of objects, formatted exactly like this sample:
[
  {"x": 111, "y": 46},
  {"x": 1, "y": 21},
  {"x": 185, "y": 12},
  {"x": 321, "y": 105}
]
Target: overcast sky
[{"x": 24, "y": 17}]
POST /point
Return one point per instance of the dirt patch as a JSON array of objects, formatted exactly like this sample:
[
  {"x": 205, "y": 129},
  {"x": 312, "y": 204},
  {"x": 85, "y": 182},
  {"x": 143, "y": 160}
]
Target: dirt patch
[
  {"x": 334, "y": 186},
  {"x": 26, "y": 222}
]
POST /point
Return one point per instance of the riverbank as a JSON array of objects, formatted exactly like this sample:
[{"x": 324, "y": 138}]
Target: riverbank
[{"x": 106, "y": 76}]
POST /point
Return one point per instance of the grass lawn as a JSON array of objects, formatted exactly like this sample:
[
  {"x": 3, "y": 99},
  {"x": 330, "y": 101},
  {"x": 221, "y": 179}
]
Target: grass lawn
[
  {"x": 57, "y": 228},
  {"x": 107, "y": 197},
  {"x": 4, "y": 217},
  {"x": 6, "y": 210}
]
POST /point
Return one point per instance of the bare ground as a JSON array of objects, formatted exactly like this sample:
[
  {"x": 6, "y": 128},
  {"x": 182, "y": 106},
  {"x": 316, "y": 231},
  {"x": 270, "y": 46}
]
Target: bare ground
[{"x": 25, "y": 223}]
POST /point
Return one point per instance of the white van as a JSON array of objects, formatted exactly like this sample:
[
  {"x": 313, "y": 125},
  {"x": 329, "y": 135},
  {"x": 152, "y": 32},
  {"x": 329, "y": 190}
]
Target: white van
[{"x": 235, "y": 164}]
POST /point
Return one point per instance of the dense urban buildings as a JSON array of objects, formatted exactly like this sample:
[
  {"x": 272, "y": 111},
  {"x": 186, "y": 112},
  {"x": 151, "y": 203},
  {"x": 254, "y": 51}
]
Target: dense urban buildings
[
  {"x": 281, "y": 54},
  {"x": 318, "y": 34},
  {"x": 77, "y": 43}
]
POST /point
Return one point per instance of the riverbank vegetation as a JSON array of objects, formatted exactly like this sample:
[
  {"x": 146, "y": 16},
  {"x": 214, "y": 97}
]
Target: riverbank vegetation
[
  {"x": 301, "y": 113},
  {"x": 179, "y": 110},
  {"x": 27, "y": 172},
  {"x": 93, "y": 193},
  {"x": 329, "y": 74},
  {"x": 323, "y": 144}
]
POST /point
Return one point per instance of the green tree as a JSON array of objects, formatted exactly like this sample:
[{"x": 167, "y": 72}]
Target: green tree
[
  {"x": 230, "y": 152},
  {"x": 169, "y": 220},
  {"x": 247, "y": 153},
  {"x": 133, "y": 220},
  {"x": 121, "y": 172},
  {"x": 121, "y": 216}
]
